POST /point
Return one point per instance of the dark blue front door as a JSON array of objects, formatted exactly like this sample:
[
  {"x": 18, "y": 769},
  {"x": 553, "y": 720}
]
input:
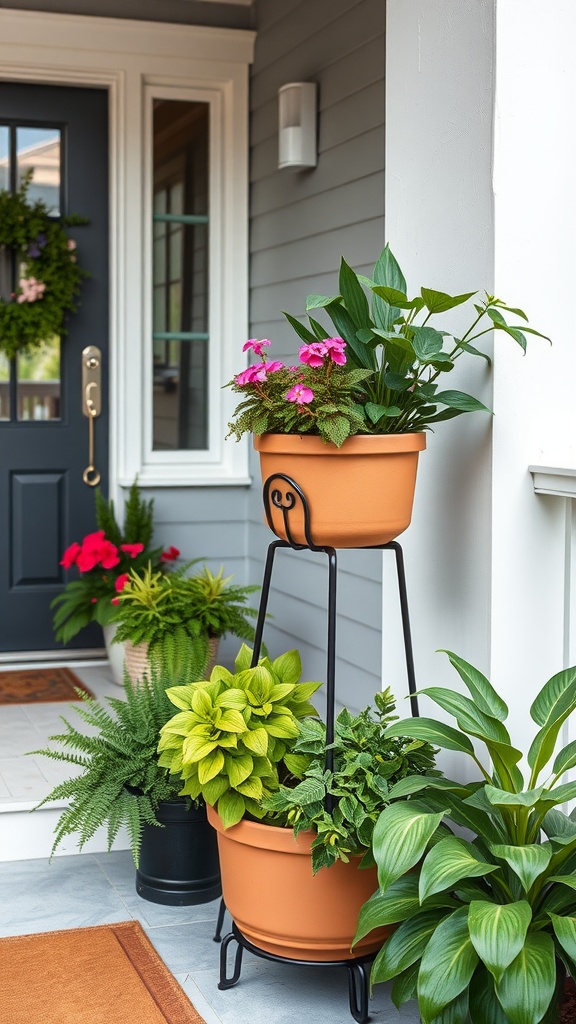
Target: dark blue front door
[{"x": 61, "y": 135}]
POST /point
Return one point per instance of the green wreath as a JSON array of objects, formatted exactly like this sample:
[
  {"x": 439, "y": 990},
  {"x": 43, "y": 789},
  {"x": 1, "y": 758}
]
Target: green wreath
[{"x": 46, "y": 277}]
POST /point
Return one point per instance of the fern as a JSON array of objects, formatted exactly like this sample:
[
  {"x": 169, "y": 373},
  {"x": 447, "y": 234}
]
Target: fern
[{"x": 120, "y": 782}]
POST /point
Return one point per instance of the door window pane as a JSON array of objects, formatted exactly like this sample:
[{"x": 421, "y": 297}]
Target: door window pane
[
  {"x": 4, "y": 157},
  {"x": 38, "y": 150},
  {"x": 180, "y": 275},
  {"x": 38, "y": 383},
  {"x": 4, "y": 387}
]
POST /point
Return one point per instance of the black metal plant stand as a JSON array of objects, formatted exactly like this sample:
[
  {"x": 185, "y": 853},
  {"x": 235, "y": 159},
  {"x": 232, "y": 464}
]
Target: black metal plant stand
[{"x": 284, "y": 493}]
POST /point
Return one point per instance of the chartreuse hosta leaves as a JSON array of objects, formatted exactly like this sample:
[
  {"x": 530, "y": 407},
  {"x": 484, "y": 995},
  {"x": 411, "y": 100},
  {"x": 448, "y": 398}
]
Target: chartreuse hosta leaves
[
  {"x": 489, "y": 953},
  {"x": 233, "y": 730}
]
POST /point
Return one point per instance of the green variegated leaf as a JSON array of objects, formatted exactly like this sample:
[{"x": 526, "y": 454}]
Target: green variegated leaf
[
  {"x": 416, "y": 783},
  {"x": 555, "y": 697},
  {"x": 288, "y": 667},
  {"x": 498, "y": 932},
  {"x": 502, "y": 798},
  {"x": 398, "y": 903},
  {"x": 468, "y": 716},
  {"x": 447, "y": 863},
  {"x": 565, "y": 759},
  {"x": 237, "y": 768},
  {"x": 569, "y": 880},
  {"x": 231, "y": 808},
  {"x": 256, "y": 740},
  {"x": 405, "y": 945},
  {"x": 400, "y": 837},
  {"x": 404, "y": 987},
  {"x": 565, "y": 930},
  {"x": 431, "y": 731},
  {"x": 211, "y": 764},
  {"x": 448, "y": 963},
  {"x": 483, "y": 693},
  {"x": 456, "y": 1012},
  {"x": 527, "y": 862},
  {"x": 485, "y": 1008},
  {"x": 527, "y": 985}
]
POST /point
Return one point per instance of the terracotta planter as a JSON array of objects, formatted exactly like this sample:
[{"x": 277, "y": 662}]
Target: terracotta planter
[
  {"x": 359, "y": 495},
  {"x": 279, "y": 905},
  {"x": 137, "y": 662}
]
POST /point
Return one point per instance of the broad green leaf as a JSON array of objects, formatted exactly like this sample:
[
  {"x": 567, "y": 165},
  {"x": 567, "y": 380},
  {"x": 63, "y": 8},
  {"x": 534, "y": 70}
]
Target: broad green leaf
[
  {"x": 502, "y": 798},
  {"x": 232, "y": 721},
  {"x": 347, "y": 328},
  {"x": 404, "y": 987},
  {"x": 455, "y": 1012},
  {"x": 556, "y": 824},
  {"x": 231, "y": 808},
  {"x": 482, "y": 691},
  {"x": 447, "y": 863},
  {"x": 281, "y": 726},
  {"x": 398, "y": 903},
  {"x": 210, "y": 766},
  {"x": 256, "y": 740},
  {"x": 416, "y": 783},
  {"x": 400, "y": 838},
  {"x": 427, "y": 342},
  {"x": 237, "y": 768},
  {"x": 465, "y": 813},
  {"x": 565, "y": 759},
  {"x": 460, "y": 400},
  {"x": 469, "y": 717},
  {"x": 405, "y": 945},
  {"x": 440, "y": 302},
  {"x": 288, "y": 667},
  {"x": 321, "y": 301},
  {"x": 303, "y": 333},
  {"x": 432, "y": 731},
  {"x": 569, "y": 880},
  {"x": 387, "y": 270},
  {"x": 561, "y": 794},
  {"x": 565, "y": 930},
  {"x": 498, "y": 932},
  {"x": 213, "y": 790},
  {"x": 527, "y": 862},
  {"x": 544, "y": 743},
  {"x": 555, "y": 697},
  {"x": 448, "y": 963},
  {"x": 243, "y": 659},
  {"x": 485, "y": 1008},
  {"x": 527, "y": 985},
  {"x": 513, "y": 332},
  {"x": 354, "y": 296},
  {"x": 394, "y": 297},
  {"x": 467, "y": 347},
  {"x": 251, "y": 788}
]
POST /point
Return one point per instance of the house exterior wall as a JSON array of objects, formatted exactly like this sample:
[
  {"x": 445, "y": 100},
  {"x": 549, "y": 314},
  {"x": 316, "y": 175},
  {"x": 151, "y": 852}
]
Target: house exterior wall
[
  {"x": 302, "y": 222},
  {"x": 221, "y": 15}
]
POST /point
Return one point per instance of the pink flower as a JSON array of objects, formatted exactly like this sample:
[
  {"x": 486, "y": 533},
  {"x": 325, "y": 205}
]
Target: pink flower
[
  {"x": 256, "y": 345},
  {"x": 170, "y": 556},
  {"x": 313, "y": 354},
  {"x": 257, "y": 373},
  {"x": 93, "y": 600},
  {"x": 132, "y": 549},
  {"x": 30, "y": 289},
  {"x": 273, "y": 366},
  {"x": 70, "y": 555},
  {"x": 115, "y": 600},
  {"x": 97, "y": 550},
  {"x": 121, "y": 582},
  {"x": 336, "y": 348},
  {"x": 300, "y": 394},
  {"x": 70, "y": 245}
]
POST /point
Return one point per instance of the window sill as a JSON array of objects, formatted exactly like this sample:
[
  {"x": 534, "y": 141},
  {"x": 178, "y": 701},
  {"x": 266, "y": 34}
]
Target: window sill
[{"x": 559, "y": 481}]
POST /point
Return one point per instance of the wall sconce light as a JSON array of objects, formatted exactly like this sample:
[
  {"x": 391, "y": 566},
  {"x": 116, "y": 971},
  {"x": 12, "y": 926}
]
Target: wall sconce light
[{"x": 297, "y": 125}]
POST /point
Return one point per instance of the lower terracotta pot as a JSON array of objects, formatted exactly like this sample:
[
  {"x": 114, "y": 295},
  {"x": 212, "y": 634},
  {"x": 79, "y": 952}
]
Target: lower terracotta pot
[
  {"x": 359, "y": 495},
  {"x": 279, "y": 905}
]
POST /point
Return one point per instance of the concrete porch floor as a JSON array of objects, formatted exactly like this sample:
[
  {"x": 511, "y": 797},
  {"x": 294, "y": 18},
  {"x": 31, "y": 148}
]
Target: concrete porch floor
[{"x": 79, "y": 890}]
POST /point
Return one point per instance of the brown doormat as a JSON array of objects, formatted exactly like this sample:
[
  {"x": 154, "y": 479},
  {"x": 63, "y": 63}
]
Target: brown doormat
[
  {"x": 106, "y": 975},
  {"x": 39, "y": 685}
]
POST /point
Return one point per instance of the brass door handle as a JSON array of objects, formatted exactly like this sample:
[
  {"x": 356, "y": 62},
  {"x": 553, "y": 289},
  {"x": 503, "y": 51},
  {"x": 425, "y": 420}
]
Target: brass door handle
[{"x": 91, "y": 405}]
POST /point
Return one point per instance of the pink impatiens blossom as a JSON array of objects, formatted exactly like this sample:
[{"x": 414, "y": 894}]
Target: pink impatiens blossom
[
  {"x": 300, "y": 394},
  {"x": 31, "y": 290},
  {"x": 257, "y": 373},
  {"x": 313, "y": 354},
  {"x": 256, "y": 345},
  {"x": 70, "y": 555},
  {"x": 336, "y": 348}
]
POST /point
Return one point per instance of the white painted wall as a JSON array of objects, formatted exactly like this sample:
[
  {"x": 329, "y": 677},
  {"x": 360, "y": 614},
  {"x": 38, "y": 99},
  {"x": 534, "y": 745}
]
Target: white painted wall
[{"x": 481, "y": 161}]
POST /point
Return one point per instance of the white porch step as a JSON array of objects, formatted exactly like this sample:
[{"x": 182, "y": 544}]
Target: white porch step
[{"x": 28, "y": 836}]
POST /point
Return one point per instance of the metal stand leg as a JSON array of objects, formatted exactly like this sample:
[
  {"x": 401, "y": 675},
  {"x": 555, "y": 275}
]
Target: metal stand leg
[
  {"x": 226, "y": 982},
  {"x": 220, "y": 922},
  {"x": 358, "y": 991}
]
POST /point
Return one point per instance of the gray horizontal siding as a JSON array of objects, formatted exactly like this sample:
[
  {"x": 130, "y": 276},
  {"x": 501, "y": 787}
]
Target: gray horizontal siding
[{"x": 180, "y": 11}]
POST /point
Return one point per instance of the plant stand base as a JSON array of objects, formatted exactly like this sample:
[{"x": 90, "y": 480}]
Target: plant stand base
[{"x": 357, "y": 974}]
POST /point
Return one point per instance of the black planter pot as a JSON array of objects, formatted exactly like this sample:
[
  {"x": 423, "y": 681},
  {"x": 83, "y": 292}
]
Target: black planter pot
[{"x": 179, "y": 863}]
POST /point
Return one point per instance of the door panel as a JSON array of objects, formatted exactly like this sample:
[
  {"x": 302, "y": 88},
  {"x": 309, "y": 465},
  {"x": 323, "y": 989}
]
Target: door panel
[{"x": 44, "y": 503}]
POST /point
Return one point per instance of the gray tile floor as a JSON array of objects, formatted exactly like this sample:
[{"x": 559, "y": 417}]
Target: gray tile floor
[{"x": 88, "y": 889}]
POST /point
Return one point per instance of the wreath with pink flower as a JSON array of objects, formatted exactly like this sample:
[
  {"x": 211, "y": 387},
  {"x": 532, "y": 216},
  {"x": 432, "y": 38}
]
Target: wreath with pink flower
[{"x": 41, "y": 276}]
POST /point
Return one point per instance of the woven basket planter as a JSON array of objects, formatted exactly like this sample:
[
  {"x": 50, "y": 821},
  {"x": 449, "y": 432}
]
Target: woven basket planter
[{"x": 137, "y": 662}]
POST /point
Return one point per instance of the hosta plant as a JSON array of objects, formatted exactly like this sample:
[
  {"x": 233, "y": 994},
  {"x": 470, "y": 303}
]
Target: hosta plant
[
  {"x": 342, "y": 803},
  {"x": 230, "y": 738},
  {"x": 486, "y": 926}
]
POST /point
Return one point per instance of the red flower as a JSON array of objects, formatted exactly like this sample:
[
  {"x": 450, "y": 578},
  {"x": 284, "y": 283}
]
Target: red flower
[
  {"x": 70, "y": 555},
  {"x": 121, "y": 581},
  {"x": 115, "y": 600},
  {"x": 132, "y": 549},
  {"x": 170, "y": 556},
  {"x": 97, "y": 550}
]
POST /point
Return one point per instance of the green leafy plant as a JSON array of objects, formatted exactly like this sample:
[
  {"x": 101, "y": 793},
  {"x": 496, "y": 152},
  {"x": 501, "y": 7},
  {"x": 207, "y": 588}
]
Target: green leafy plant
[
  {"x": 366, "y": 765},
  {"x": 382, "y": 374},
  {"x": 483, "y": 923},
  {"x": 45, "y": 262},
  {"x": 103, "y": 560},
  {"x": 178, "y": 615},
  {"x": 118, "y": 781},
  {"x": 231, "y": 737}
]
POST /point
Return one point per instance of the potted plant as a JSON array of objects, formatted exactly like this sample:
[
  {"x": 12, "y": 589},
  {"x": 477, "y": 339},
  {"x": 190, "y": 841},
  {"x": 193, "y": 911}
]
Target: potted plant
[
  {"x": 368, "y": 394},
  {"x": 250, "y": 744},
  {"x": 118, "y": 782},
  {"x": 103, "y": 559},
  {"x": 486, "y": 927},
  {"x": 177, "y": 620}
]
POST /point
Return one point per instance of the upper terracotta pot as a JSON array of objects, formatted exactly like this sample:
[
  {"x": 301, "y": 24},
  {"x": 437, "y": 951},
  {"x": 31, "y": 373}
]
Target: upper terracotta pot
[
  {"x": 358, "y": 495},
  {"x": 280, "y": 905}
]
